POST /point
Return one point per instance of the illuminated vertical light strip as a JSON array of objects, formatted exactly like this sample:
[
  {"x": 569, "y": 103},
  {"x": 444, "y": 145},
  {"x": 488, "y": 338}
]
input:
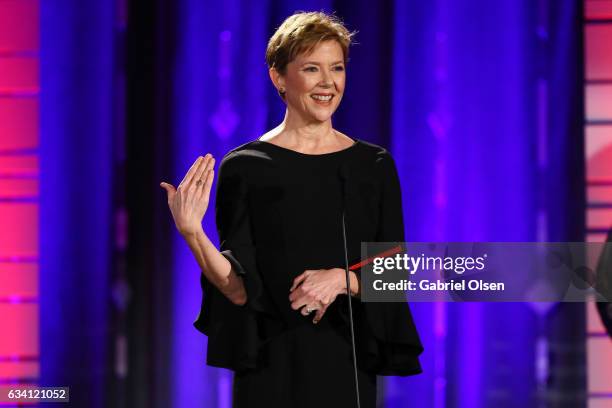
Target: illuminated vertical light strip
[
  {"x": 598, "y": 152},
  {"x": 75, "y": 142},
  {"x": 224, "y": 122},
  {"x": 408, "y": 65},
  {"x": 192, "y": 383},
  {"x": 542, "y": 123},
  {"x": 439, "y": 121},
  {"x": 213, "y": 109},
  {"x": 421, "y": 90},
  {"x": 19, "y": 197},
  {"x": 541, "y": 367},
  {"x": 120, "y": 284}
]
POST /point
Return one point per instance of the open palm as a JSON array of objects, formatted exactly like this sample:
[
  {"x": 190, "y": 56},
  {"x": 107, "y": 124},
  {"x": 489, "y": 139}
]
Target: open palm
[{"x": 189, "y": 201}]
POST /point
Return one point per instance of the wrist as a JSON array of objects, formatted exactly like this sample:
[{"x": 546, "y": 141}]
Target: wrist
[
  {"x": 191, "y": 233},
  {"x": 354, "y": 282}
]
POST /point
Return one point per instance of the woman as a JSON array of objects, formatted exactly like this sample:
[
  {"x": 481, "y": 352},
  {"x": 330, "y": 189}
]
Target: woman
[{"x": 275, "y": 302}]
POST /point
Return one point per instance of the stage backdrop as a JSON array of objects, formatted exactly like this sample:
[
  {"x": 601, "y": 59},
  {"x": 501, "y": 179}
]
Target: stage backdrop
[{"x": 479, "y": 102}]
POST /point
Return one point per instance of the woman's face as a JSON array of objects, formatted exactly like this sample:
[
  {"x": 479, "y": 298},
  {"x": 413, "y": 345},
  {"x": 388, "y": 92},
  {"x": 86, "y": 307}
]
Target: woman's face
[{"x": 314, "y": 83}]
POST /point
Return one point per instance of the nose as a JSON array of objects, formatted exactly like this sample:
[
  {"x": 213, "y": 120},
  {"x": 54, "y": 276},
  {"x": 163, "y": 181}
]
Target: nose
[{"x": 326, "y": 79}]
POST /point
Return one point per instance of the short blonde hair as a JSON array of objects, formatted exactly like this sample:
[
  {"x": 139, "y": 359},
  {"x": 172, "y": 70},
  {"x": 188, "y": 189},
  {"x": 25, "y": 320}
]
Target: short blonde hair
[{"x": 301, "y": 33}]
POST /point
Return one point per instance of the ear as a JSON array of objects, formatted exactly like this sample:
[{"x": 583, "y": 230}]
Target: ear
[{"x": 277, "y": 79}]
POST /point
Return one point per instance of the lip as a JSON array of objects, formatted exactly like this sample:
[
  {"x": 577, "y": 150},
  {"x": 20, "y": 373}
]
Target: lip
[{"x": 324, "y": 103}]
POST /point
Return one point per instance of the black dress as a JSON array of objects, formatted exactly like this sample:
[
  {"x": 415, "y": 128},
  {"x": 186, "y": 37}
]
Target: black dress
[{"x": 278, "y": 213}]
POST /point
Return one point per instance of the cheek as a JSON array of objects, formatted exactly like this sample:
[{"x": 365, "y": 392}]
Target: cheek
[
  {"x": 341, "y": 83},
  {"x": 303, "y": 84}
]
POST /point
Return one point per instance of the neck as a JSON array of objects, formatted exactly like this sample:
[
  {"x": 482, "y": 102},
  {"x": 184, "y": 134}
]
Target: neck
[{"x": 309, "y": 134}]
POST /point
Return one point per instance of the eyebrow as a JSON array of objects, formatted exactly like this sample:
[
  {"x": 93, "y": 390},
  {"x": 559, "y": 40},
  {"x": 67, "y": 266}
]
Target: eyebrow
[{"x": 316, "y": 63}]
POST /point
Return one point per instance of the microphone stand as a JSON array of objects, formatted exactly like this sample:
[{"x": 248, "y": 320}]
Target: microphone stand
[{"x": 344, "y": 178}]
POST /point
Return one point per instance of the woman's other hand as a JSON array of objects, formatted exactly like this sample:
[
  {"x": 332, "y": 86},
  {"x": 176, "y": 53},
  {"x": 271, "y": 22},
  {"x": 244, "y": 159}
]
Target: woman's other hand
[
  {"x": 189, "y": 201},
  {"x": 317, "y": 289}
]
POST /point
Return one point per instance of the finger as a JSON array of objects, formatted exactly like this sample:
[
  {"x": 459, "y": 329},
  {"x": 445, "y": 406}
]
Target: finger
[
  {"x": 208, "y": 183},
  {"x": 319, "y": 315},
  {"x": 201, "y": 172},
  {"x": 305, "y": 311},
  {"x": 211, "y": 163},
  {"x": 169, "y": 189},
  {"x": 298, "y": 280},
  {"x": 297, "y": 304},
  {"x": 299, "y": 295},
  {"x": 189, "y": 176},
  {"x": 293, "y": 296},
  {"x": 197, "y": 175},
  {"x": 208, "y": 179},
  {"x": 190, "y": 172}
]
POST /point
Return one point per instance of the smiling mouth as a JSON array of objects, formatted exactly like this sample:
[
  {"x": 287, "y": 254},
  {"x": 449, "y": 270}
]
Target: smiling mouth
[{"x": 322, "y": 99}]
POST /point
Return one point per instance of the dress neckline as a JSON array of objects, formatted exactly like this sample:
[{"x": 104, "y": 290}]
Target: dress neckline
[{"x": 295, "y": 152}]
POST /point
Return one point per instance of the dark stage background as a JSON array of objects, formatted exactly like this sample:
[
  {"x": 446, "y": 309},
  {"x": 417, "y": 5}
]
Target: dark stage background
[{"x": 479, "y": 101}]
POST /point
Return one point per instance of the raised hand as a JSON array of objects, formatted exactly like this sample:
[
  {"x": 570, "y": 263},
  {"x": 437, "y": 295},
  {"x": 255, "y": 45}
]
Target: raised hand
[{"x": 189, "y": 201}]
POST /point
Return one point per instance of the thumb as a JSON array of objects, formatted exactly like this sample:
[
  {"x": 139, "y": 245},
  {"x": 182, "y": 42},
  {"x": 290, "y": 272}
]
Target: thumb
[{"x": 168, "y": 187}]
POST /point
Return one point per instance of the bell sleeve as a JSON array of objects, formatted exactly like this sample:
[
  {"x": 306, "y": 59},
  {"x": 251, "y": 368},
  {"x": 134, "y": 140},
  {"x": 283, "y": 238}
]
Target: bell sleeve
[
  {"x": 233, "y": 331},
  {"x": 390, "y": 344}
]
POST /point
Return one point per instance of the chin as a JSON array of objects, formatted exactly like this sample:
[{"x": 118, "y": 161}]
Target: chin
[{"x": 322, "y": 116}]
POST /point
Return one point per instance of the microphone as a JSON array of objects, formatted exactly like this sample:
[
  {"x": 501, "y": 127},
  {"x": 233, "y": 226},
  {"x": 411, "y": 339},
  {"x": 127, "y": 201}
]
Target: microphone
[{"x": 344, "y": 175}]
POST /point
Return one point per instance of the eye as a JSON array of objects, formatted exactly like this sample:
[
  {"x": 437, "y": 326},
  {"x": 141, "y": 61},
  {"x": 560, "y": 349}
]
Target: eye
[
  {"x": 339, "y": 68},
  {"x": 311, "y": 69}
]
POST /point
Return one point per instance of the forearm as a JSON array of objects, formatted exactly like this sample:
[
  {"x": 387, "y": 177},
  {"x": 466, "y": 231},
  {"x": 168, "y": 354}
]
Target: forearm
[{"x": 215, "y": 267}]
